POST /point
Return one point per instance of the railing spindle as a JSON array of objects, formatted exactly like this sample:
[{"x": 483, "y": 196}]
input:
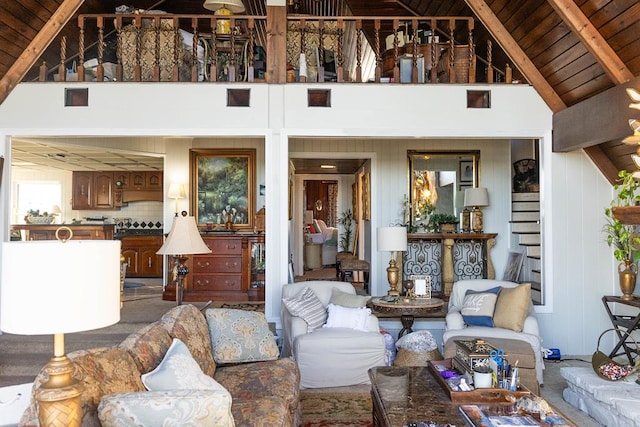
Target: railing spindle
[
  {"x": 233, "y": 57},
  {"x": 194, "y": 50},
  {"x": 303, "y": 46},
  {"x": 489, "y": 64},
  {"x": 137, "y": 68},
  {"x": 156, "y": 54},
  {"x": 81, "y": 49},
  {"x": 376, "y": 49},
  {"x": 119, "y": 70},
  {"x": 320, "y": 58},
  {"x": 250, "y": 56},
  {"x": 472, "y": 56},
  {"x": 100, "y": 67},
  {"x": 213, "y": 53},
  {"x": 414, "y": 60},
  {"x": 358, "y": 50},
  {"x": 62, "y": 68},
  {"x": 340, "y": 59},
  {"x": 452, "y": 47},
  {"x": 396, "y": 60},
  {"x": 177, "y": 40}
]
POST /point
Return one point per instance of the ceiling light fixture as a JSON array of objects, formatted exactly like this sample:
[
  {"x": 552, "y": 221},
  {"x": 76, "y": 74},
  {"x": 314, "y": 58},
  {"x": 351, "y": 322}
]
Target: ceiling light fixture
[{"x": 327, "y": 166}]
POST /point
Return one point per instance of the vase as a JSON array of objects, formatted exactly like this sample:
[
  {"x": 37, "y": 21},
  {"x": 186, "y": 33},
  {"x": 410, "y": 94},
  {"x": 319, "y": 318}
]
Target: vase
[{"x": 628, "y": 272}]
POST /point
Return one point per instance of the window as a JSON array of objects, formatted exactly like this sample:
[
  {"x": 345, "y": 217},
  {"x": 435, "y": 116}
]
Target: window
[{"x": 40, "y": 196}]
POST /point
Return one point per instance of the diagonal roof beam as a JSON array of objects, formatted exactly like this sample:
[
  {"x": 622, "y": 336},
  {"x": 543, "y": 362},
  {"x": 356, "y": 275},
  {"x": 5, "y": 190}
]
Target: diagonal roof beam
[
  {"x": 593, "y": 40},
  {"x": 41, "y": 41},
  {"x": 517, "y": 55}
]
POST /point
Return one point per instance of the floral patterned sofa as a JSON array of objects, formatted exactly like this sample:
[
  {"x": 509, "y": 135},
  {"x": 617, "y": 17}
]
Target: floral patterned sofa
[{"x": 251, "y": 393}]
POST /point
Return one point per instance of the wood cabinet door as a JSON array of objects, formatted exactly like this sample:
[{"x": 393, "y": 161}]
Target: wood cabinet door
[
  {"x": 81, "y": 197},
  {"x": 153, "y": 180},
  {"x": 103, "y": 190},
  {"x": 131, "y": 258},
  {"x": 137, "y": 180},
  {"x": 150, "y": 263},
  {"x": 122, "y": 178}
]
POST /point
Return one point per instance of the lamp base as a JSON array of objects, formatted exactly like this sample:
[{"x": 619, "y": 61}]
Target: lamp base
[
  {"x": 392, "y": 277},
  {"x": 222, "y": 25},
  {"x": 476, "y": 220},
  {"x": 59, "y": 398}
]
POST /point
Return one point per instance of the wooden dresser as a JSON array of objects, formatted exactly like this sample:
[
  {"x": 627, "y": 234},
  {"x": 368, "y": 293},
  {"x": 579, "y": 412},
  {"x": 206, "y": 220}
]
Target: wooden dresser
[{"x": 233, "y": 271}]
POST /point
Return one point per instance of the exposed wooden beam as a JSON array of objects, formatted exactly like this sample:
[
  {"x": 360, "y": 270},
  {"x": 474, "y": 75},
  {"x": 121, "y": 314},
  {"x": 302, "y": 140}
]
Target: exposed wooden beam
[
  {"x": 41, "y": 41},
  {"x": 276, "y": 44},
  {"x": 517, "y": 55},
  {"x": 603, "y": 162},
  {"x": 601, "y": 118},
  {"x": 593, "y": 40}
]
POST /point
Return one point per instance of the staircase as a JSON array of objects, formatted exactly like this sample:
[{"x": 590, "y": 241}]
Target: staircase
[{"x": 525, "y": 224}]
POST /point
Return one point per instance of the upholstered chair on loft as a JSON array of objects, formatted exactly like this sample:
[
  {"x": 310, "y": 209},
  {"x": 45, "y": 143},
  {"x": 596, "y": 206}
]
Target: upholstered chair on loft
[
  {"x": 330, "y": 333},
  {"x": 495, "y": 309}
]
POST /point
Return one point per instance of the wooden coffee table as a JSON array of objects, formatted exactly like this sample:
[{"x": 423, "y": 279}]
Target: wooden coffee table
[
  {"x": 403, "y": 395},
  {"x": 408, "y": 310}
]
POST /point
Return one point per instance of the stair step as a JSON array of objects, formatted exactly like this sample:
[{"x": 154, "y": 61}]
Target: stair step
[
  {"x": 529, "y": 239},
  {"x": 525, "y": 216},
  {"x": 525, "y": 227},
  {"x": 536, "y": 297},
  {"x": 525, "y": 206},
  {"x": 536, "y": 285},
  {"x": 533, "y": 251},
  {"x": 536, "y": 275},
  {"x": 525, "y": 197}
]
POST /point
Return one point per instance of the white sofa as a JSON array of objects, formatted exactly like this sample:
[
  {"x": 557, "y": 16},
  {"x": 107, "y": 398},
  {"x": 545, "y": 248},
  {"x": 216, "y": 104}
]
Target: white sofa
[
  {"x": 330, "y": 357},
  {"x": 455, "y": 326}
]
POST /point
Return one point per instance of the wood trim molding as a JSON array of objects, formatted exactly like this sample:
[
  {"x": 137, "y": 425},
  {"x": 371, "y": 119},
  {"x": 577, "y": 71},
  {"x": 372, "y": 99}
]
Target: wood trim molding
[
  {"x": 517, "y": 55},
  {"x": 41, "y": 41},
  {"x": 592, "y": 39},
  {"x": 600, "y": 159}
]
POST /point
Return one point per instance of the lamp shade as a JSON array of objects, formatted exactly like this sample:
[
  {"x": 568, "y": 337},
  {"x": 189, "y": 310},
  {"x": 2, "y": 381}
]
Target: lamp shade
[
  {"x": 184, "y": 238},
  {"x": 235, "y": 6},
  {"x": 54, "y": 287},
  {"x": 476, "y": 197},
  {"x": 176, "y": 191},
  {"x": 308, "y": 217},
  {"x": 392, "y": 239}
]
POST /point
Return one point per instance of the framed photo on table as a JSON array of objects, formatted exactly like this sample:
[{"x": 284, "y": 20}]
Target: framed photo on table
[
  {"x": 421, "y": 286},
  {"x": 223, "y": 187}
]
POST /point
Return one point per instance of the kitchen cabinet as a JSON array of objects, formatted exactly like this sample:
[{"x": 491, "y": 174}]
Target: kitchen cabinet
[
  {"x": 140, "y": 255},
  {"x": 112, "y": 190},
  {"x": 233, "y": 271}
]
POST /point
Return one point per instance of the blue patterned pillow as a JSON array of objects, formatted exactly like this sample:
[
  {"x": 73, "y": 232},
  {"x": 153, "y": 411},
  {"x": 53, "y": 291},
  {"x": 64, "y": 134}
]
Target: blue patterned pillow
[
  {"x": 478, "y": 306},
  {"x": 240, "y": 336},
  {"x": 163, "y": 408}
]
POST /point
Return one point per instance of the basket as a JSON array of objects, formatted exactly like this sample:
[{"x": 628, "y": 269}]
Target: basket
[
  {"x": 39, "y": 219},
  {"x": 406, "y": 357},
  {"x": 607, "y": 368}
]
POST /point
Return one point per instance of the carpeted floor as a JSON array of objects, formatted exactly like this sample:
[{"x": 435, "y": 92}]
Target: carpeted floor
[{"x": 337, "y": 407}]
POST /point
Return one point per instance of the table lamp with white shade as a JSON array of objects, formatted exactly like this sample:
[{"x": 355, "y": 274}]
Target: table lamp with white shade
[
  {"x": 183, "y": 239},
  {"x": 224, "y": 8},
  {"x": 57, "y": 287},
  {"x": 476, "y": 198},
  {"x": 176, "y": 192},
  {"x": 394, "y": 240}
]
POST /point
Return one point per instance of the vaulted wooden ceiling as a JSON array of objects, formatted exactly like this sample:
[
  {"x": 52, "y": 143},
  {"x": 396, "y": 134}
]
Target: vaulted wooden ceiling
[{"x": 570, "y": 50}]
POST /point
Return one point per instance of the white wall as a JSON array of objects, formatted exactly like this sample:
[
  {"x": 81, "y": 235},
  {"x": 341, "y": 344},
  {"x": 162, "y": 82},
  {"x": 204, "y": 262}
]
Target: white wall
[{"x": 366, "y": 118}]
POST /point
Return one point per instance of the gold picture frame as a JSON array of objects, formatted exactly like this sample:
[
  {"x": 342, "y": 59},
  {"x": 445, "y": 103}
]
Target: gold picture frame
[
  {"x": 223, "y": 187},
  {"x": 366, "y": 198},
  {"x": 421, "y": 286},
  {"x": 354, "y": 201}
]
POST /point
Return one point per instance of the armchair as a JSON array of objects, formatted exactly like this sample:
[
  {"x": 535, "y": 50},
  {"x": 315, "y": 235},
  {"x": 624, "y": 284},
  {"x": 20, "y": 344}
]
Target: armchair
[
  {"x": 328, "y": 238},
  {"x": 456, "y": 328},
  {"x": 330, "y": 356}
]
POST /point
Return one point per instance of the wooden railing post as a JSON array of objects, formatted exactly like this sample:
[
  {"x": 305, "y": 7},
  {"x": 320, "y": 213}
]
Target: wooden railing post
[
  {"x": 321, "y": 51},
  {"x": 194, "y": 50},
  {"x": 452, "y": 46},
  {"x": 233, "y": 59},
  {"x": 303, "y": 56},
  {"x": 137, "y": 68},
  {"x": 489, "y": 62},
  {"x": 177, "y": 39},
  {"x": 396, "y": 60},
  {"x": 414, "y": 60},
  {"x": 359, "y": 50},
  {"x": 81, "y": 49},
  {"x": 376, "y": 49},
  {"x": 213, "y": 53},
  {"x": 62, "y": 68},
  {"x": 119, "y": 71},
  {"x": 156, "y": 59},
  {"x": 472, "y": 56},
  {"x": 100, "y": 67},
  {"x": 435, "y": 58},
  {"x": 250, "y": 65},
  {"x": 340, "y": 60}
]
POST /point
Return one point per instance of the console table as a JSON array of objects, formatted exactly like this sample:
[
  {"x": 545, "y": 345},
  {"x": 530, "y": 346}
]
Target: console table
[
  {"x": 448, "y": 257},
  {"x": 629, "y": 322}
]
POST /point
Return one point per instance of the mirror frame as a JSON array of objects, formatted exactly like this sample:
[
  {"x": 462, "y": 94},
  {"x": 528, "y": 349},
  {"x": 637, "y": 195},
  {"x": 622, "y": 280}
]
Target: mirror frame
[{"x": 461, "y": 155}]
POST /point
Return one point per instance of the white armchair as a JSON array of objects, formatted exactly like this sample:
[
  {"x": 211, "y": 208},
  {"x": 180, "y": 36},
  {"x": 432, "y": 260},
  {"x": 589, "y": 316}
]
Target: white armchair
[
  {"x": 455, "y": 326},
  {"x": 330, "y": 357}
]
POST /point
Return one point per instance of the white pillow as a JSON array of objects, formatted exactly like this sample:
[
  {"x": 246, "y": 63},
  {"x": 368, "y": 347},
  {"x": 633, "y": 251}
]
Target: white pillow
[
  {"x": 179, "y": 371},
  {"x": 348, "y": 317}
]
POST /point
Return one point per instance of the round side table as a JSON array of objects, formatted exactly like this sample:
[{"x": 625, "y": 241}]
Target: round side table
[{"x": 406, "y": 309}]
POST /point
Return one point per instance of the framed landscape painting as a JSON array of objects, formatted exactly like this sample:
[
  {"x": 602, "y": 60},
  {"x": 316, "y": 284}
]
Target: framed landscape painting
[{"x": 223, "y": 187}]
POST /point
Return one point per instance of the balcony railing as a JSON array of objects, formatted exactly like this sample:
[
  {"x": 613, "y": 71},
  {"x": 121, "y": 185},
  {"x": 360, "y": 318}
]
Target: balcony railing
[{"x": 210, "y": 48}]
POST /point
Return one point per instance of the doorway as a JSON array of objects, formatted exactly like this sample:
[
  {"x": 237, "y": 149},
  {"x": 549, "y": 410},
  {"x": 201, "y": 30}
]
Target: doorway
[{"x": 321, "y": 197}]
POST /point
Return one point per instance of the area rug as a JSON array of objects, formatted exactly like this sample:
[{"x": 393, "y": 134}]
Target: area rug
[
  {"x": 130, "y": 285},
  {"x": 336, "y": 409}
]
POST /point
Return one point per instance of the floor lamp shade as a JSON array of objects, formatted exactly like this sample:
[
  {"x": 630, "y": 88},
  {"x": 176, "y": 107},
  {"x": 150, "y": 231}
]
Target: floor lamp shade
[{"x": 53, "y": 287}]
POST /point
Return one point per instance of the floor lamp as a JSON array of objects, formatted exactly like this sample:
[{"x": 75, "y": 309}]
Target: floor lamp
[
  {"x": 394, "y": 240},
  {"x": 183, "y": 239},
  {"x": 57, "y": 287}
]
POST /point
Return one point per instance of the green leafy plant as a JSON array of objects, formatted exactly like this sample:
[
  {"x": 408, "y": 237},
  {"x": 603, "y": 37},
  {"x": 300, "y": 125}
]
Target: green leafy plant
[
  {"x": 346, "y": 221},
  {"x": 440, "y": 218},
  {"x": 622, "y": 237}
]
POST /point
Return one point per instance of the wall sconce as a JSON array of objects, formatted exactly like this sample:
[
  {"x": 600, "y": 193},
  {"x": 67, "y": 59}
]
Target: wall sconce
[
  {"x": 224, "y": 8},
  {"x": 176, "y": 192}
]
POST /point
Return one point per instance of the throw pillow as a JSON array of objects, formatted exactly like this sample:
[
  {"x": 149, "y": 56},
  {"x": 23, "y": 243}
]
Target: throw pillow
[
  {"x": 348, "y": 317},
  {"x": 512, "y": 307},
  {"x": 307, "y": 306},
  {"x": 240, "y": 336},
  {"x": 179, "y": 371},
  {"x": 166, "y": 408},
  {"x": 478, "y": 306},
  {"x": 345, "y": 299}
]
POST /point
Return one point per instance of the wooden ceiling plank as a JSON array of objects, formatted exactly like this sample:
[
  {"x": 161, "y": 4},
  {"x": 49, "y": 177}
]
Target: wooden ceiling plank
[
  {"x": 517, "y": 55},
  {"x": 40, "y": 42},
  {"x": 589, "y": 35}
]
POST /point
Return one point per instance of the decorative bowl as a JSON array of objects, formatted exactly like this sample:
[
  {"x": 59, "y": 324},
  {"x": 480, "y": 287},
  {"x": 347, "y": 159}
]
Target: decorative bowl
[{"x": 39, "y": 219}]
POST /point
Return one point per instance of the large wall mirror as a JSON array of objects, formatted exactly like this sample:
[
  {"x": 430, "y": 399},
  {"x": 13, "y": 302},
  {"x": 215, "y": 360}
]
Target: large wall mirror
[{"x": 437, "y": 182}]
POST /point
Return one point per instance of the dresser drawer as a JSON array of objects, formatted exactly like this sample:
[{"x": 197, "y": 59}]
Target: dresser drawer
[
  {"x": 218, "y": 282},
  {"x": 230, "y": 246},
  {"x": 211, "y": 264}
]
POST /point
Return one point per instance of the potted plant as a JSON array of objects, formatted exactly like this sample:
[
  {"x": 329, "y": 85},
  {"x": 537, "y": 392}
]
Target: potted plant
[
  {"x": 445, "y": 223},
  {"x": 623, "y": 237},
  {"x": 346, "y": 221}
]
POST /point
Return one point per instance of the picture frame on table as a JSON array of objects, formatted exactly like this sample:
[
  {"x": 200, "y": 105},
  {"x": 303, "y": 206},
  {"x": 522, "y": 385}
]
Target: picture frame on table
[
  {"x": 223, "y": 186},
  {"x": 421, "y": 286}
]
